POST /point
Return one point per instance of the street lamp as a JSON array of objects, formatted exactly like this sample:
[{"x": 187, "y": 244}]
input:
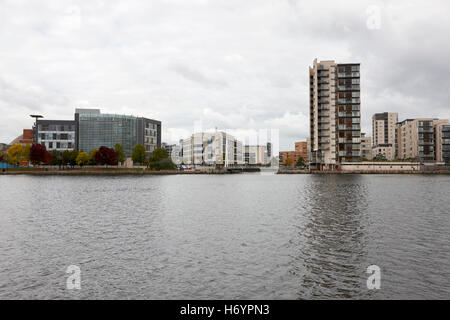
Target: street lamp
[{"x": 36, "y": 118}]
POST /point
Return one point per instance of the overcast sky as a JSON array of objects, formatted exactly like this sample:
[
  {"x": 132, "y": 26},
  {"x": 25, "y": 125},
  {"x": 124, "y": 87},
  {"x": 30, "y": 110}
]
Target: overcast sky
[{"x": 230, "y": 64}]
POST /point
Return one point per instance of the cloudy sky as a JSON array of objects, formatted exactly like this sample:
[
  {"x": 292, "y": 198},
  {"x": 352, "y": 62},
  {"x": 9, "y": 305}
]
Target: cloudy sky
[{"x": 230, "y": 64}]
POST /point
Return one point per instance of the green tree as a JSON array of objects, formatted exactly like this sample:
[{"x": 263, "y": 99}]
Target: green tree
[
  {"x": 120, "y": 153},
  {"x": 160, "y": 160},
  {"x": 82, "y": 158},
  {"x": 92, "y": 154},
  {"x": 300, "y": 162},
  {"x": 65, "y": 157},
  {"x": 56, "y": 159},
  {"x": 138, "y": 154},
  {"x": 73, "y": 158}
]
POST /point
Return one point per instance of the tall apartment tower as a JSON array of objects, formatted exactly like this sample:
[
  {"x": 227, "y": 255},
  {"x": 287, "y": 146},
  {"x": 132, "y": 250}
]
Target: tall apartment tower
[
  {"x": 335, "y": 119},
  {"x": 383, "y": 132},
  {"x": 383, "y": 128}
]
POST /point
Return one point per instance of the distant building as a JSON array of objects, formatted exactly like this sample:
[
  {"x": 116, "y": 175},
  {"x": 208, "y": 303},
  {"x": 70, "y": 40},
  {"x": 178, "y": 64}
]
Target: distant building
[
  {"x": 293, "y": 155},
  {"x": 366, "y": 147},
  {"x": 256, "y": 155},
  {"x": 383, "y": 135},
  {"x": 4, "y": 146},
  {"x": 212, "y": 149},
  {"x": 302, "y": 147}
]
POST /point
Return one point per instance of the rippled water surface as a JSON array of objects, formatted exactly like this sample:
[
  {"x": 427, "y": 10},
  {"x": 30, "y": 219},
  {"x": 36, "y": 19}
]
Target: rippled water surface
[{"x": 246, "y": 236}]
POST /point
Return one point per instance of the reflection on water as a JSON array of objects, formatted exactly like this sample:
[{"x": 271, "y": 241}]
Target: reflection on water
[{"x": 247, "y": 236}]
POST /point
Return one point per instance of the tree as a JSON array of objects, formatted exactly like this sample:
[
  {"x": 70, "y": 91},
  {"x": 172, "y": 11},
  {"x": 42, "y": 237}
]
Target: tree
[
  {"x": 160, "y": 160},
  {"x": 138, "y": 154},
  {"x": 106, "y": 156},
  {"x": 56, "y": 158},
  {"x": 120, "y": 153},
  {"x": 300, "y": 162},
  {"x": 289, "y": 162},
  {"x": 82, "y": 158},
  {"x": 39, "y": 154},
  {"x": 65, "y": 157},
  {"x": 73, "y": 158},
  {"x": 92, "y": 156},
  {"x": 15, "y": 154},
  {"x": 26, "y": 152}
]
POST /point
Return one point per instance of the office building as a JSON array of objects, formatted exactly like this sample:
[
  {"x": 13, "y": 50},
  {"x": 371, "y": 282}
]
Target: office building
[
  {"x": 55, "y": 135},
  {"x": 335, "y": 104},
  {"x": 212, "y": 149},
  {"x": 95, "y": 129}
]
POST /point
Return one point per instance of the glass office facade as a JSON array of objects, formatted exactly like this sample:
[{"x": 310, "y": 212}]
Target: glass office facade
[{"x": 95, "y": 130}]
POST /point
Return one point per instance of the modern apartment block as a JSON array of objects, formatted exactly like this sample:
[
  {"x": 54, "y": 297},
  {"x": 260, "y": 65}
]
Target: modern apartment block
[
  {"x": 442, "y": 141},
  {"x": 445, "y": 144},
  {"x": 95, "y": 129},
  {"x": 383, "y": 132},
  {"x": 56, "y": 135},
  {"x": 212, "y": 149},
  {"x": 256, "y": 155},
  {"x": 415, "y": 139},
  {"x": 335, "y": 129},
  {"x": 366, "y": 147}
]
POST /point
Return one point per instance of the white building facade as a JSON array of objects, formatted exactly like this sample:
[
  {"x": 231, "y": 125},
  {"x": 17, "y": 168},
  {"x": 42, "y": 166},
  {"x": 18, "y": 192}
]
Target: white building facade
[{"x": 212, "y": 149}]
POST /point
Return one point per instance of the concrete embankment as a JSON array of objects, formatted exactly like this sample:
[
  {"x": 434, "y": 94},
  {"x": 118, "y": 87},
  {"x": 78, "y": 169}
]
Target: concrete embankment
[
  {"x": 113, "y": 172},
  {"x": 364, "y": 172}
]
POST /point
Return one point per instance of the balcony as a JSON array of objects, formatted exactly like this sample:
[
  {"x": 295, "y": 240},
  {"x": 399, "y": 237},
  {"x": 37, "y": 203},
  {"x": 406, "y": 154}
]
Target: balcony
[
  {"x": 348, "y": 154},
  {"x": 323, "y": 82},
  {"x": 348, "y": 114},
  {"x": 353, "y": 127},
  {"x": 323, "y": 101},
  {"x": 425, "y": 130},
  {"x": 348, "y": 75},
  {"x": 349, "y": 88},
  {"x": 346, "y": 101}
]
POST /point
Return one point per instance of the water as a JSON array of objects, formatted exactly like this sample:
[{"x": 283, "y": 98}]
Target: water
[{"x": 246, "y": 236}]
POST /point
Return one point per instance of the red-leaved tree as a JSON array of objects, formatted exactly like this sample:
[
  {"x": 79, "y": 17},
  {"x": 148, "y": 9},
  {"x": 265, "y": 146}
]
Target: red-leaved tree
[
  {"x": 107, "y": 156},
  {"x": 39, "y": 154}
]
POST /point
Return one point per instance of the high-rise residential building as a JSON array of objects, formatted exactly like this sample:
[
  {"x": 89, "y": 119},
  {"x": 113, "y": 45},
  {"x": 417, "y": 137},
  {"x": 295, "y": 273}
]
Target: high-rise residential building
[
  {"x": 95, "y": 129},
  {"x": 415, "y": 139},
  {"x": 383, "y": 134},
  {"x": 335, "y": 119},
  {"x": 212, "y": 149},
  {"x": 383, "y": 128},
  {"x": 442, "y": 141},
  {"x": 366, "y": 147}
]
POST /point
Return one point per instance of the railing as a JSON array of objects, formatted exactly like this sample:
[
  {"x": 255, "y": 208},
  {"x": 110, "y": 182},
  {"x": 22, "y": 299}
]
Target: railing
[
  {"x": 348, "y": 75},
  {"x": 352, "y": 114},
  {"x": 349, "y": 88},
  {"x": 349, "y": 100}
]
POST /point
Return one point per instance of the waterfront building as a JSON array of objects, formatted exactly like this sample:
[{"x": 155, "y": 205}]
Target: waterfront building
[
  {"x": 302, "y": 147},
  {"x": 59, "y": 135},
  {"x": 415, "y": 139},
  {"x": 384, "y": 134},
  {"x": 256, "y": 155},
  {"x": 292, "y": 155},
  {"x": 366, "y": 147},
  {"x": 335, "y": 104},
  {"x": 442, "y": 141},
  {"x": 212, "y": 149},
  {"x": 95, "y": 129}
]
